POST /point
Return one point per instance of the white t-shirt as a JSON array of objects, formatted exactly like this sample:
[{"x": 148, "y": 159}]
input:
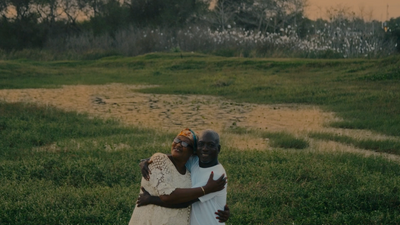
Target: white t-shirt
[{"x": 203, "y": 211}]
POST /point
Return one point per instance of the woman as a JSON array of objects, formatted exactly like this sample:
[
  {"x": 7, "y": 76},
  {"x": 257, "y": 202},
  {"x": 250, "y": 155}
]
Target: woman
[{"x": 171, "y": 181}]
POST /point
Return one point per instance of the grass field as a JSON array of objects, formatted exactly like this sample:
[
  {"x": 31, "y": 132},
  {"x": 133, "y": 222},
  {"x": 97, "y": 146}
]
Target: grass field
[
  {"x": 365, "y": 93},
  {"x": 61, "y": 167}
]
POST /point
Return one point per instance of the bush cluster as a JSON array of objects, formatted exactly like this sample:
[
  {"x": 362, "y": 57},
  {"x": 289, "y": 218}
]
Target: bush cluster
[{"x": 247, "y": 28}]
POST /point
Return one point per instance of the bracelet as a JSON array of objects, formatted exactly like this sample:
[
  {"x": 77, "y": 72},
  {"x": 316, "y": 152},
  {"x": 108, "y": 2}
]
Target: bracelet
[{"x": 203, "y": 190}]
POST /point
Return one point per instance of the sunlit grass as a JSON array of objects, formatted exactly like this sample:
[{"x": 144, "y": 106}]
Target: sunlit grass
[
  {"x": 276, "y": 139},
  {"x": 387, "y": 146},
  {"x": 90, "y": 176},
  {"x": 58, "y": 167},
  {"x": 365, "y": 93}
]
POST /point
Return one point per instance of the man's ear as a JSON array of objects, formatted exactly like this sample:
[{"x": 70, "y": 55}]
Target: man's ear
[{"x": 219, "y": 148}]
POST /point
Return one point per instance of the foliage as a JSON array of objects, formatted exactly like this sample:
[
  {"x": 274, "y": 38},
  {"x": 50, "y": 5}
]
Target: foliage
[
  {"x": 165, "y": 13},
  {"x": 250, "y": 28},
  {"x": 22, "y": 33},
  {"x": 394, "y": 31}
]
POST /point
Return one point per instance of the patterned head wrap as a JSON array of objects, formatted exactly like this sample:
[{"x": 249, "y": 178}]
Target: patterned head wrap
[{"x": 191, "y": 135}]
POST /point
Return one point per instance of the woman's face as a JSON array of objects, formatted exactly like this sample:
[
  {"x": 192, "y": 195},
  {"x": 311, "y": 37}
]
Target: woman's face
[{"x": 178, "y": 150}]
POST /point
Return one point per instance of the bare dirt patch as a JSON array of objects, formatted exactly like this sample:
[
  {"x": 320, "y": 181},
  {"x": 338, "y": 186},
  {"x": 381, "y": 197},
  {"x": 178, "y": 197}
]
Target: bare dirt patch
[{"x": 174, "y": 112}]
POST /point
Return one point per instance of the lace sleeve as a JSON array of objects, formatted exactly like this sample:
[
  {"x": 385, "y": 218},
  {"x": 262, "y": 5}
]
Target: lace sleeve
[{"x": 161, "y": 176}]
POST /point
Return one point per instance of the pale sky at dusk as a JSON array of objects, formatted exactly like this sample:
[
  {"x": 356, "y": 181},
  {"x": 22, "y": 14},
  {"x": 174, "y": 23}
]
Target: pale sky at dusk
[{"x": 377, "y": 6}]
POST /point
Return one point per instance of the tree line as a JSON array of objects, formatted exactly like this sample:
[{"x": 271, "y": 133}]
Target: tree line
[{"x": 32, "y": 23}]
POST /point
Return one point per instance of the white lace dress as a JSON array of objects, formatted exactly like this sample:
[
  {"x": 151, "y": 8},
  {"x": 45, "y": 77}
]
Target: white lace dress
[{"x": 164, "y": 179}]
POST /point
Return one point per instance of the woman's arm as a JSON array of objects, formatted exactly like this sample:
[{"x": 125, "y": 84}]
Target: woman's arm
[
  {"x": 171, "y": 195},
  {"x": 146, "y": 199},
  {"x": 181, "y": 195},
  {"x": 144, "y": 168}
]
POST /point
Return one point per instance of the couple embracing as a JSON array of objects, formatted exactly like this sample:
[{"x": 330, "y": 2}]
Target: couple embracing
[{"x": 180, "y": 188}]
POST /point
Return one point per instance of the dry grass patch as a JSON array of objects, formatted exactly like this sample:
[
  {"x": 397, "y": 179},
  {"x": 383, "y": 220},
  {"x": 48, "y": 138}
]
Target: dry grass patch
[{"x": 173, "y": 112}]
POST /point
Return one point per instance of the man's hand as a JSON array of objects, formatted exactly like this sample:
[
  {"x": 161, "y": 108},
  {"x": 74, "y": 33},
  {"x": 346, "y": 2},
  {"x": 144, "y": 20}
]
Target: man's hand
[
  {"x": 215, "y": 185},
  {"x": 144, "y": 168},
  {"x": 144, "y": 198},
  {"x": 223, "y": 216}
]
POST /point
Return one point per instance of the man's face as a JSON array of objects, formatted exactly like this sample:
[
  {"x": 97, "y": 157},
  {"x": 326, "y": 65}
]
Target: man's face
[{"x": 208, "y": 149}]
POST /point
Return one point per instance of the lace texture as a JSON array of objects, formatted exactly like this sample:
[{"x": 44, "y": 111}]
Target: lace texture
[{"x": 164, "y": 179}]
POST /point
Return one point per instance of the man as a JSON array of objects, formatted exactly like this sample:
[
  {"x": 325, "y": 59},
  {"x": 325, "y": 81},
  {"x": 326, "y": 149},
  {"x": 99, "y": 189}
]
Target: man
[{"x": 203, "y": 208}]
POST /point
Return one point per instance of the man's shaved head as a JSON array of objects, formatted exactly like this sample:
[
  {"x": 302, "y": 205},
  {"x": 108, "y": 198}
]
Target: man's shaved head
[
  {"x": 208, "y": 148},
  {"x": 210, "y": 133}
]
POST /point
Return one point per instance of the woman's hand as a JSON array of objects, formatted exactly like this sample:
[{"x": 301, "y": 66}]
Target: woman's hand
[
  {"x": 223, "y": 215},
  {"x": 144, "y": 168},
  {"x": 144, "y": 198},
  {"x": 215, "y": 185}
]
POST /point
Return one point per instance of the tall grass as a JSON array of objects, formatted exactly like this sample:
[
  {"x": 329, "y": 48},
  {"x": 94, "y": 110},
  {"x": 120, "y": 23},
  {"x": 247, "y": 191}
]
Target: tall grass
[
  {"x": 89, "y": 175},
  {"x": 336, "y": 40}
]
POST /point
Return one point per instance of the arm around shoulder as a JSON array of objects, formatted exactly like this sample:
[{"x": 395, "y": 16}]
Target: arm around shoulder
[{"x": 180, "y": 195}]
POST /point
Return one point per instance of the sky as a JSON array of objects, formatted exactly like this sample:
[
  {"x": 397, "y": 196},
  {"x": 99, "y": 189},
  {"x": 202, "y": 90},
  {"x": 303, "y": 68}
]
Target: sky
[{"x": 317, "y": 8}]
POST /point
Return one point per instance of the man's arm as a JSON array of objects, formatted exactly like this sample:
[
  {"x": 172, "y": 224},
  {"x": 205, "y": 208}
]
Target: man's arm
[
  {"x": 146, "y": 199},
  {"x": 223, "y": 215}
]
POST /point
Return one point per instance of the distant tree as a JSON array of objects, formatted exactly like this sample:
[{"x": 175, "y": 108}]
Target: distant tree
[
  {"x": 257, "y": 15},
  {"x": 23, "y": 8},
  {"x": 3, "y": 8},
  {"x": 289, "y": 10},
  {"x": 73, "y": 9},
  {"x": 262, "y": 15},
  {"x": 167, "y": 13},
  {"x": 48, "y": 10},
  {"x": 394, "y": 31},
  {"x": 223, "y": 14},
  {"x": 109, "y": 16},
  {"x": 23, "y": 29}
]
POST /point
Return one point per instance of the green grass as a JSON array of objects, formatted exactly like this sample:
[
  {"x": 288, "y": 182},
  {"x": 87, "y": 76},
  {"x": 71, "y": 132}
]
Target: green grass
[
  {"x": 285, "y": 140},
  {"x": 388, "y": 146},
  {"x": 365, "y": 93},
  {"x": 26, "y": 125},
  {"x": 86, "y": 178},
  {"x": 277, "y": 139},
  {"x": 65, "y": 168},
  {"x": 311, "y": 188}
]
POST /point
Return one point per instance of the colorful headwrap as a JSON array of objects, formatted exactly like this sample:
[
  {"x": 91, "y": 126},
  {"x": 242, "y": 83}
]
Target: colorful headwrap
[{"x": 191, "y": 135}]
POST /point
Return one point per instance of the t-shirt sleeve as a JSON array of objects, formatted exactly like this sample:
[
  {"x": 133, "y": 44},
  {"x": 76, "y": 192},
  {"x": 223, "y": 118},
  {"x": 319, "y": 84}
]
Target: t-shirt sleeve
[
  {"x": 210, "y": 196},
  {"x": 192, "y": 161},
  {"x": 218, "y": 171},
  {"x": 161, "y": 177}
]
